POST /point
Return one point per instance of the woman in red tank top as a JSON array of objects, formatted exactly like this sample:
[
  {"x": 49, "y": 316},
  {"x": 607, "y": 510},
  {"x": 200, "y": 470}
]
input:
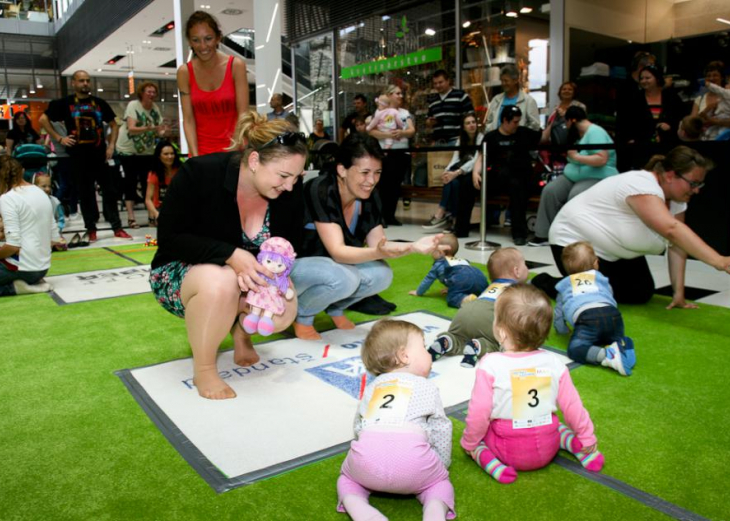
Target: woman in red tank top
[{"x": 213, "y": 88}]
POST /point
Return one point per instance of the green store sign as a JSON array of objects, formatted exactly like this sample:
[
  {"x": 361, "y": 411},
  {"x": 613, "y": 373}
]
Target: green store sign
[{"x": 396, "y": 62}]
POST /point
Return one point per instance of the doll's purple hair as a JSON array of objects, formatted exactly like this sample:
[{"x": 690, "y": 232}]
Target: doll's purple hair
[{"x": 278, "y": 250}]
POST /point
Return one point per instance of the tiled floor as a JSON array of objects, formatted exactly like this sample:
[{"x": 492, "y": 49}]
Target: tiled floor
[{"x": 698, "y": 275}]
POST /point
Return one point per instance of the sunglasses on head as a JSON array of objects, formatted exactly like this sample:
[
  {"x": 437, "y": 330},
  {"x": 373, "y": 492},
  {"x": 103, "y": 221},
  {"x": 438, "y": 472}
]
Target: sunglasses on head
[{"x": 286, "y": 139}]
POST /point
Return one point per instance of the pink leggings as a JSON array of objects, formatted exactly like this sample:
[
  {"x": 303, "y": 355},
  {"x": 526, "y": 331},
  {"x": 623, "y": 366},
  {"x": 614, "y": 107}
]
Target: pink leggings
[
  {"x": 398, "y": 463},
  {"x": 523, "y": 449}
]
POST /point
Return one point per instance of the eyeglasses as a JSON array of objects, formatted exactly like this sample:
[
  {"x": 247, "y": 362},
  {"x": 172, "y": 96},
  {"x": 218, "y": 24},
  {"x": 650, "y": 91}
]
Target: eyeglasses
[
  {"x": 287, "y": 139},
  {"x": 692, "y": 184}
]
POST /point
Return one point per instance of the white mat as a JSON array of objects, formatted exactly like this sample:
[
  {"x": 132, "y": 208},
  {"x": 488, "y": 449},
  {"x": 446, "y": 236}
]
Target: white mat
[
  {"x": 293, "y": 407},
  {"x": 96, "y": 285}
]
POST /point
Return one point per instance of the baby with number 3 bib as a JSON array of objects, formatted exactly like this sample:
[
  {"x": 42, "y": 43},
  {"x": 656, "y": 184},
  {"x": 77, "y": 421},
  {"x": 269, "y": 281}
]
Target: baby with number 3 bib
[
  {"x": 402, "y": 435},
  {"x": 585, "y": 301},
  {"x": 511, "y": 424}
]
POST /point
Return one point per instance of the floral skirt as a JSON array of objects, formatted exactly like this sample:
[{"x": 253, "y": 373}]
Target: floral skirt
[{"x": 166, "y": 282}]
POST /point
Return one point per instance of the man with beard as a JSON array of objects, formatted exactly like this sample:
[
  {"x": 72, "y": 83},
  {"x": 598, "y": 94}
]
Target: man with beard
[{"x": 84, "y": 116}]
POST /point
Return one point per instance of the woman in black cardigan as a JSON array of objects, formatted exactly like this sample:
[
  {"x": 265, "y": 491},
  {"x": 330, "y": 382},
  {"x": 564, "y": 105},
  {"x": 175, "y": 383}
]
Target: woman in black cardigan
[
  {"x": 217, "y": 211},
  {"x": 655, "y": 115}
]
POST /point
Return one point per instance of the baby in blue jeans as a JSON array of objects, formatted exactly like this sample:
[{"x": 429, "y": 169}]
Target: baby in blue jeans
[
  {"x": 585, "y": 301},
  {"x": 462, "y": 280}
]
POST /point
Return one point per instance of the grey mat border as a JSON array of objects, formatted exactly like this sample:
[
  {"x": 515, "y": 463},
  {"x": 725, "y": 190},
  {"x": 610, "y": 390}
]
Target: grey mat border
[
  {"x": 212, "y": 475},
  {"x": 655, "y": 502}
]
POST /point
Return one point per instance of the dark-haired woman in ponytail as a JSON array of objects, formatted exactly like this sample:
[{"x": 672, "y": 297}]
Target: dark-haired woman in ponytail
[
  {"x": 638, "y": 213},
  {"x": 341, "y": 261},
  {"x": 218, "y": 210},
  {"x": 165, "y": 165}
]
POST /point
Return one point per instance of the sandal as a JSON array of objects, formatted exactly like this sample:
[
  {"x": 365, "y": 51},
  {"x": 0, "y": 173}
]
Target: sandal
[
  {"x": 132, "y": 223},
  {"x": 75, "y": 241}
]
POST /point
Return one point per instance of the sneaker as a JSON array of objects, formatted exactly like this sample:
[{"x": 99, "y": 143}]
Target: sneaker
[
  {"x": 121, "y": 234},
  {"x": 519, "y": 241},
  {"x": 23, "y": 288},
  {"x": 471, "y": 353},
  {"x": 538, "y": 241},
  {"x": 439, "y": 348},
  {"x": 91, "y": 236},
  {"x": 406, "y": 204},
  {"x": 620, "y": 356},
  {"x": 437, "y": 222}
]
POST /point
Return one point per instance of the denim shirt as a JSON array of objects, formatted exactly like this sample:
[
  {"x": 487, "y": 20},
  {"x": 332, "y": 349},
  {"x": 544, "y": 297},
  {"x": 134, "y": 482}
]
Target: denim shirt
[{"x": 578, "y": 292}]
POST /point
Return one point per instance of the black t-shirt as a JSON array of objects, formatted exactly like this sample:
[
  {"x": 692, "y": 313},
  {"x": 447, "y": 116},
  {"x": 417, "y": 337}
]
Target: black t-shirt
[
  {"x": 84, "y": 120},
  {"x": 348, "y": 124},
  {"x": 22, "y": 137},
  {"x": 511, "y": 153},
  {"x": 322, "y": 204}
]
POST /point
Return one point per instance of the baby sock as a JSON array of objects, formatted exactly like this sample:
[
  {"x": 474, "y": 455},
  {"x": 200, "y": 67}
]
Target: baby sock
[
  {"x": 435, "y": 510},
  {"x": 360, "y": 510},
  {"x": 471, "y": 353},
  {"x": 266, "y": 326},
  {"x": 440, "y": 347},
  {"x": 568, "y": 440},
  {"x": 495, "y": 468},
  {"x": 592, "y": 462}
]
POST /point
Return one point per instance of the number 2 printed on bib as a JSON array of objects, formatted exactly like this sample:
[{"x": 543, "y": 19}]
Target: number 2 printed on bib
[
  {"x": 532, "y": 398},
  {"x": 389, "y": 403}
]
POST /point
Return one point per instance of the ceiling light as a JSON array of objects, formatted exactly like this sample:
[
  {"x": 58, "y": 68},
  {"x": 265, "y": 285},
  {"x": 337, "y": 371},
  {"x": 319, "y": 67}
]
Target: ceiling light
[
  {"x": 24, "y": 96},
  {"x": 525, "y": 9},
  {"x": 126, "y": 95},
  {"x": 430, "y": 32},
  {"x": 174, "y": 95},
  {"x": 39, "y": 84},
  {"x": 508, "y": 11},
  {"x": 466, "y": 24},
  {"x": 32, "y": 90},
  {"x": 163, "y": 99},
  {"x": 100, "y": 89},
  {"x": 722, "y": 20}
]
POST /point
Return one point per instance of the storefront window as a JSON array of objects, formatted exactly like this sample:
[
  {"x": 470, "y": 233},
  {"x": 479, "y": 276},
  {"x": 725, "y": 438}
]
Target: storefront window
[
  {"x": 314, "y": 84},
  {"x": 401, "y": 49}
]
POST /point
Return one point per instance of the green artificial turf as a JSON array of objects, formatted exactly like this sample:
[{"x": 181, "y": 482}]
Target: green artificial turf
[{"x": 75, "y": 445}]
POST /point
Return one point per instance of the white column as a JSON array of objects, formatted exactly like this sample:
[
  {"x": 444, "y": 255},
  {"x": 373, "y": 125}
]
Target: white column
[
  {"x": 557, "y": 48},
  {"x": 182, "y": 10},
  {"x": 267, "y": 24}
]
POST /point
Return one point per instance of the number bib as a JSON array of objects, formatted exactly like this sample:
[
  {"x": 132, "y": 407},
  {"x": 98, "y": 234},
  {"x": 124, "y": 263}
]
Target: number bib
[
  {"x": 532, "y": 398},
  {"x": 583, "y": 283},
  {"x": 389, "y": 403},
  {"x": 494, "y": 290}
]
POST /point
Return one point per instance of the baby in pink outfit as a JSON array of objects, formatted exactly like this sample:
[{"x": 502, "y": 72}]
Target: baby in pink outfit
[
  {"x": 386, "y": 118},
  {"x": 402, "y": 435},
  {"x": 511, "y": 424}
]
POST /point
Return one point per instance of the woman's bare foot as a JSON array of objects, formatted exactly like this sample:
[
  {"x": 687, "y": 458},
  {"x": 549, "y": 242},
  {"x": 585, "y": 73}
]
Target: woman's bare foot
[
  {"x": 244, "y": 353},
  {"x": 211, "y": 386}
]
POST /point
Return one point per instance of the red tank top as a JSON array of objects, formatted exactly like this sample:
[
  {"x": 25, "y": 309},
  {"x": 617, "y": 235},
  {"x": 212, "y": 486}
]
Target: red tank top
[{"x": 215, "y": 112}]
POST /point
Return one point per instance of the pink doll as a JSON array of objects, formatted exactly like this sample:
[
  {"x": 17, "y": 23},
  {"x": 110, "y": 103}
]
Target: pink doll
[{"x": 276, "y": 255}]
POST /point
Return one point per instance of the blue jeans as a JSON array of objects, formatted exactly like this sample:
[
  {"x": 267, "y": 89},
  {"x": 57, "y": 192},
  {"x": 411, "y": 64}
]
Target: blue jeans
[
  {"x": 450, "y": 196},
  {"x": 595, "y": 327},
  {"x": 7, "y": 277},
  {"x": 463, "y": 281},
  {"x": 325, "y": 285}
]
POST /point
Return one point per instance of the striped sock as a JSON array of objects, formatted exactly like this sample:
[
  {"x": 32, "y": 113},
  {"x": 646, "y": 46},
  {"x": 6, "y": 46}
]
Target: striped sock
[
  {"x": 568, "y": 440},
  {"x": 495, "y": 468},
  {"x": 592, "y": 462}
]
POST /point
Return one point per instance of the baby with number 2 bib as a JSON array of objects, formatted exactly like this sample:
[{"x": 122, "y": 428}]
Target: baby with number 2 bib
[
  {"x": 402, "y": 439},
  {"x": 511, "y": 424}
]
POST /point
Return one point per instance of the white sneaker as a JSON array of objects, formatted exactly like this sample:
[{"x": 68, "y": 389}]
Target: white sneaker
[{"x": 23, "y": 288}]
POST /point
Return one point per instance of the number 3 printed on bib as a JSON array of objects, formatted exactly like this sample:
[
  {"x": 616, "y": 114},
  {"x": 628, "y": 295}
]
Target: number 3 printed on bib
[
  {"x": 532, "y": 398},
  {"x": 389, "y": 403}
]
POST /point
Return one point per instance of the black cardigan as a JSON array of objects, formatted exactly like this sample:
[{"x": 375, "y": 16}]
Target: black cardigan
[{"x": 199, "y": 221}]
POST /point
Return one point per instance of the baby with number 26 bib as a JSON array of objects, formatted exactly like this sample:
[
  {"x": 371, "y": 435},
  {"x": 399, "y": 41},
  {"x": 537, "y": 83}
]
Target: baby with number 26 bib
[
  {"x": 402, "y": 435},
  {"x": 511, "y": 424}
]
